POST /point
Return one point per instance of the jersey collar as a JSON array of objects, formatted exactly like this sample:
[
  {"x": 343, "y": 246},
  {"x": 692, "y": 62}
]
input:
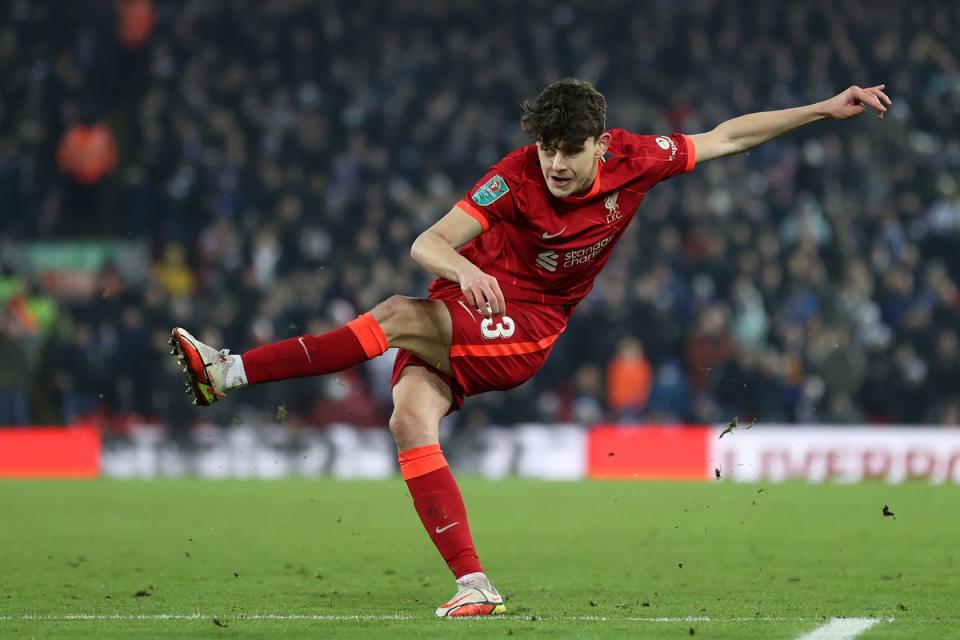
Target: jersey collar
[{"x": 594, "y": 190}]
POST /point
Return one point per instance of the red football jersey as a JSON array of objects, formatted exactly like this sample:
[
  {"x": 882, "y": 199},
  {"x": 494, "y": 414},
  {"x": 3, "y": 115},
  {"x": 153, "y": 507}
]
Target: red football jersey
[{"x": 550, "y": 250}]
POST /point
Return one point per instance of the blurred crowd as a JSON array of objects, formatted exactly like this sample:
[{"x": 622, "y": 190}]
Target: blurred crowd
[{"x": 276, "y": 158}]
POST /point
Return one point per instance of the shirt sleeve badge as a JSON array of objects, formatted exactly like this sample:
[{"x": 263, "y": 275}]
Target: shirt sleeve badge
[{"x": 491, "y": 191}]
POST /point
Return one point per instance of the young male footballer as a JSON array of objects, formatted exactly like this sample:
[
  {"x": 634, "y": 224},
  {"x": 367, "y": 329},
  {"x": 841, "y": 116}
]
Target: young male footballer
[{"x": 513, "y": 259}]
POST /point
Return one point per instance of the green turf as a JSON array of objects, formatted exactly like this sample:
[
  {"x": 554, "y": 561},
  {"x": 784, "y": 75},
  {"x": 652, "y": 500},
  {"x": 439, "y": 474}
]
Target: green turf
[{"x": 770, "y": 561}]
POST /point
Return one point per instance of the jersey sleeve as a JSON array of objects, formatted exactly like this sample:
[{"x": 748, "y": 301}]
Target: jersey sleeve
[
  {"x": 492, "y": 199},
  {"x": 656, "y": 158}
]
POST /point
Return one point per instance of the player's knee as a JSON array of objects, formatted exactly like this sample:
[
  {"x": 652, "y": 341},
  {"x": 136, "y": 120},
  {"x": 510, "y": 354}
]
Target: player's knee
[
  {"x": 395, "y": 305},
  {"x": 401, "y": 317},
  {"x": 396, "y": 310},
  {"x": 409, "y": 430}
]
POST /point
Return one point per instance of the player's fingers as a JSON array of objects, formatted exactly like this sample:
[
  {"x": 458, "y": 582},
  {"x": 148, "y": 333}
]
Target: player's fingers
[
  {"x": 864, "y": 100},
  {"x": 877, "y": 90},
  {"x": 879, "y": 95},
  {"x": 491, "y": 306},
  {"x": 501, "y": 301},
  {"x": 477, "y": 298},
  {"x": 870, "y": 98},
  {"x": 471, "y": 297}
]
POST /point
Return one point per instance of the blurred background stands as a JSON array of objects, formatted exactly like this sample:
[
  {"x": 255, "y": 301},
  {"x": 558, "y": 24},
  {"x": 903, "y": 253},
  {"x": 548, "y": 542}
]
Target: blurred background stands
[{"x": 258, "y": 169}]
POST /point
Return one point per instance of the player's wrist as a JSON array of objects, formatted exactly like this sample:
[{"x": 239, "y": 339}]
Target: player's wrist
[
  {"x": 467, "y": 272},
  {"x": 821, "y": 110}
]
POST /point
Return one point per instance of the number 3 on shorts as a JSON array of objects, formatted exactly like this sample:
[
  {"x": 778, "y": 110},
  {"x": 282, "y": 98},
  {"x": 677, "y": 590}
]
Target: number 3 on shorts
[{"x": 503, "y": 329}]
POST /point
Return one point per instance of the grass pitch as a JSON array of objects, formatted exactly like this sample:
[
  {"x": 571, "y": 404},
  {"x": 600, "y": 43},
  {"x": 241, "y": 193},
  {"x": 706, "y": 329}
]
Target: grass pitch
[{"x": 309, "y": 559}]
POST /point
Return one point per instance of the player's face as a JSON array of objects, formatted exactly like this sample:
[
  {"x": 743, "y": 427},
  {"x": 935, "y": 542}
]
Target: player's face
[{"x": 570, "y": 172}]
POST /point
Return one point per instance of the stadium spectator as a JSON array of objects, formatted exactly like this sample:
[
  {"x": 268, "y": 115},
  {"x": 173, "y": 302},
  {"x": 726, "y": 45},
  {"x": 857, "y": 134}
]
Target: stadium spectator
[
  {"x": 586, "y": 406},
  {"x": 173, "y": 274},
  {"x": 709, "y": 347},
  {"x": 670, "y": 397},
  {"x": 629, "y": 380},
  {"x": 14, "y": 374},
  {"x": 136, "y": 20},
  {"x": 87, "y": 153}
]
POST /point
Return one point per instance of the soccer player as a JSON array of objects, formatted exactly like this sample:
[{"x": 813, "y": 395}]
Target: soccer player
[{"x": 513, "y": 259}]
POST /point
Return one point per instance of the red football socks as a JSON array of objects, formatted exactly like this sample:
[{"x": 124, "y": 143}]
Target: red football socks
[
  {"x": 359, "y": 340},
  {"x": 438, "y": 502}
]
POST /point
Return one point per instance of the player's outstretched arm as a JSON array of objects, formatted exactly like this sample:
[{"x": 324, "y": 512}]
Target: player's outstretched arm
[
  {"x": 745, "y": 132},
  {"x": 436, "y": 251}
]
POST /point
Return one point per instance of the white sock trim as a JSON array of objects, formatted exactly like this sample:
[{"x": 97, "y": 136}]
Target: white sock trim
[
  {"x": 472, "y": 577},
  {"x": 236, "y": 375}
]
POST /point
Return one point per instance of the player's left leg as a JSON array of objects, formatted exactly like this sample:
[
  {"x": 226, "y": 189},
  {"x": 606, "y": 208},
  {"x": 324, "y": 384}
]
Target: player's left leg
[
  {"x": 417, "y": 325},
  {"x": 420, "y": 400}
]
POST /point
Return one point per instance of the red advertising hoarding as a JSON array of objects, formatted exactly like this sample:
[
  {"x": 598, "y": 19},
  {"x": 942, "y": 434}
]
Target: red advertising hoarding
[
  {"x": 647, "y": 453},
  {"x": 49, "y": 452}
]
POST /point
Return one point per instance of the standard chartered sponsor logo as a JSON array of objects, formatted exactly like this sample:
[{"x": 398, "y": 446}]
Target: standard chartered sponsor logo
[
  {"x": 581, "y": 256},
  {"x": 549, "y": 260}
]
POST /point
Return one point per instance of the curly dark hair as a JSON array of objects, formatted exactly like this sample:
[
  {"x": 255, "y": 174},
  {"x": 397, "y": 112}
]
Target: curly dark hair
[{"x": 565, "y": 114}]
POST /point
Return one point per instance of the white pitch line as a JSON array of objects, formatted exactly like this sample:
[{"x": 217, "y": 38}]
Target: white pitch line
[
  {"x": 840, "y": 629},
  {"x": 404, "y": 617}
]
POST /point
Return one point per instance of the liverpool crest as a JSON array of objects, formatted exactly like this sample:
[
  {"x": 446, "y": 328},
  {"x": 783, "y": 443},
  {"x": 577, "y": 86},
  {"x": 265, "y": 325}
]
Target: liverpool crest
[{"x": 613, "y": 209}]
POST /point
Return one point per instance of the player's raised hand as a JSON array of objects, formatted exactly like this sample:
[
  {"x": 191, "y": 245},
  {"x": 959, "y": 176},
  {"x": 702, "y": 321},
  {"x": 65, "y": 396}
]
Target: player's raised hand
[
  {"x": 855, "y": 101},
  {"x": 483, "y": 293}
]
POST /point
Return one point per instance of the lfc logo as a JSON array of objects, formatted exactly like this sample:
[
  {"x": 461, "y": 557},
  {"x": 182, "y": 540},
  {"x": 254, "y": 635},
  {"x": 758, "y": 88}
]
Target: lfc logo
[{"x": 613, "y": 209}]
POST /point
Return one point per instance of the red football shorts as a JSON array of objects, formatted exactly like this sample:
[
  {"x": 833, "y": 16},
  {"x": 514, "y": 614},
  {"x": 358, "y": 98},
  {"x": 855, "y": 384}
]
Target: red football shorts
[{"x": 492, "y": 354}]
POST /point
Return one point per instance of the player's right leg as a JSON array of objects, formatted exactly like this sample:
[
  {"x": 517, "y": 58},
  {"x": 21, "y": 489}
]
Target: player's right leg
[
  {"x": 420, "y": 400},
  {"x": 420, "y": 326}
]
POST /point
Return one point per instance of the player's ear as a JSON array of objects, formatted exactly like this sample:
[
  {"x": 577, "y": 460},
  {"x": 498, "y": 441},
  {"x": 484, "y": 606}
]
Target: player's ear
[{"x": 603, "y": 143}]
